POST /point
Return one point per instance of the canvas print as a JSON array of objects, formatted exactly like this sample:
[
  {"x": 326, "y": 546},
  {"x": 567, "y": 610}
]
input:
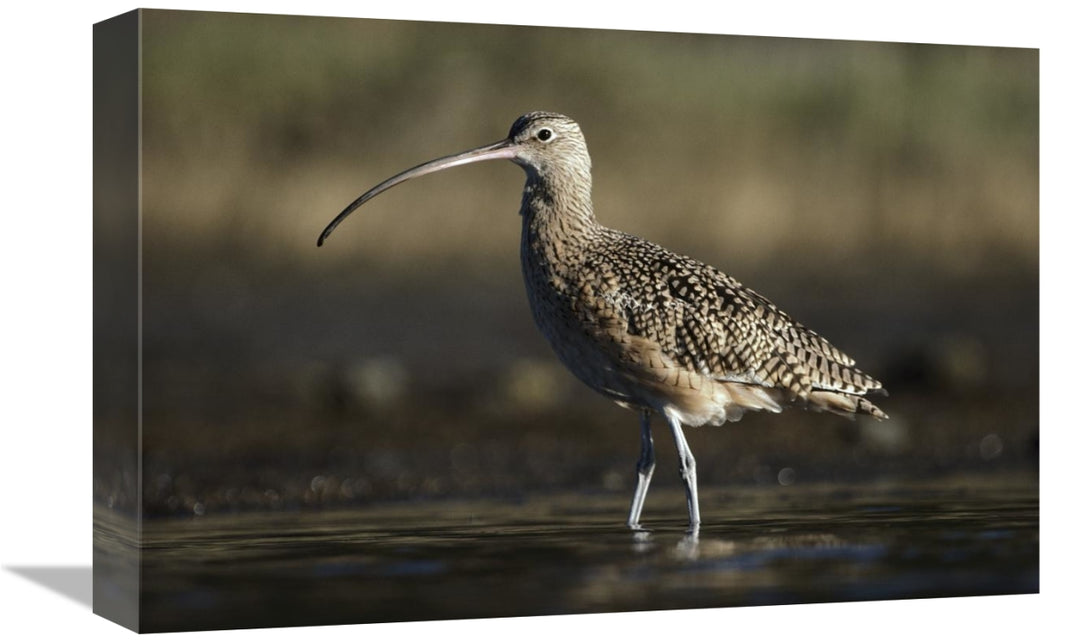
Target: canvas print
[{"x": 418, "y": 321}]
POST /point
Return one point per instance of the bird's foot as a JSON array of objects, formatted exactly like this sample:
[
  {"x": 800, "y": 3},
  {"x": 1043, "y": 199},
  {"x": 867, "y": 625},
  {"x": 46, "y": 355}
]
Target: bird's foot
[{"x": 639, "y": 532}]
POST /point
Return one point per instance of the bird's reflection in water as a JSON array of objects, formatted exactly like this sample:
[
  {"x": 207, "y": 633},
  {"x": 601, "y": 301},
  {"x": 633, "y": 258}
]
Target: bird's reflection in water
[
  {"x": 685, "y": 548},
  {"x": 692, "y": 546}
]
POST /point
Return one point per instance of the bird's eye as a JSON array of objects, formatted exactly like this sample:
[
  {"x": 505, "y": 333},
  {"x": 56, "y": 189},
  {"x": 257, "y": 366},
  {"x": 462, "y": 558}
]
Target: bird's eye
[{"x": 544, "y": 135}]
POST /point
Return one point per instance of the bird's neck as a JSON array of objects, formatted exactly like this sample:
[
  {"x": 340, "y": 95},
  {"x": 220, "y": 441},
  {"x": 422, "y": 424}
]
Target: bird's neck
[{"x": 557, "y": 215}]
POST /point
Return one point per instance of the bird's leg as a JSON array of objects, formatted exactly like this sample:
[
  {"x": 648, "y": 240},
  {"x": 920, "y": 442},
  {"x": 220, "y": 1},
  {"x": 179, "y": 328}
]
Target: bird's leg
[
  {"x": 687, "y": 468},
  {"x": 645, "y": 466}
]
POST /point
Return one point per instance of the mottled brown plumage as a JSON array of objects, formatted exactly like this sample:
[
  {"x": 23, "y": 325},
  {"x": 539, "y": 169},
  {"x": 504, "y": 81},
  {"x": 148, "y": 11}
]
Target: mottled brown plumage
[{"x": 651, "y": 329}]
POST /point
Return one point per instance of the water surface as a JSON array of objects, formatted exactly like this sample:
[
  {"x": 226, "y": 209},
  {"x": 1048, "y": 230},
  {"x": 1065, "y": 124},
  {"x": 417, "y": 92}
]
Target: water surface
[{"x": 570, "y": 554}]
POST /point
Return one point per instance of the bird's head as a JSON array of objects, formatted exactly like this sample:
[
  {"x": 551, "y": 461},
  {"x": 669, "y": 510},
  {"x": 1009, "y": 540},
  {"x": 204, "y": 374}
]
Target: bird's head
[{"x": 547, "y": 143}]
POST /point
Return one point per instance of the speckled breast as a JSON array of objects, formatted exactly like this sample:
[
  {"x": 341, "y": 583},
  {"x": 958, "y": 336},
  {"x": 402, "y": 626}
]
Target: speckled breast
[{"x": 567, "y": 314}]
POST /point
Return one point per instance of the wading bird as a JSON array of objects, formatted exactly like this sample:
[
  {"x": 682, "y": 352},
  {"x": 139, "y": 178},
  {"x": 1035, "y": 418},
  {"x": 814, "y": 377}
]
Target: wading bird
[{"x": 650, "y": 329}]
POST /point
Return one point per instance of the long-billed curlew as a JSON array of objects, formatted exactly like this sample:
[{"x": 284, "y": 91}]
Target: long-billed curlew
[{"x": 648, "y": 328}]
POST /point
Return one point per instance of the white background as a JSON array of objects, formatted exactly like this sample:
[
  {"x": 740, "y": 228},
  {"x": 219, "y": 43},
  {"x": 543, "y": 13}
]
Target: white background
[{"x": 45, "y": 315}]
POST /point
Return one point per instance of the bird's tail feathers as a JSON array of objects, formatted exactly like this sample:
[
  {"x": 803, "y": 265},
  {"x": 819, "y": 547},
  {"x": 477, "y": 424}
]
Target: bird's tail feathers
[{"x": 842, "y": 403}]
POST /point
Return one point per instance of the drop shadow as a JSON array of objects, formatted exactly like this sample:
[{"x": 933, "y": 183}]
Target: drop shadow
[{"x": 73, "y": 582}]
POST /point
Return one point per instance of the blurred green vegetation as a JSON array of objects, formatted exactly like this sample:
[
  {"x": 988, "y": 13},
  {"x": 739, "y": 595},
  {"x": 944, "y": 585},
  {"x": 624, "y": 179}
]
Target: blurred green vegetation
[
  {"x": 741, "y": 149},
  {"x": 884, "y": 194}
]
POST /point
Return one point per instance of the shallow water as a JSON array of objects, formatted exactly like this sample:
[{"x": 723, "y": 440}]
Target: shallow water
[{"x": 570, "y": 554}]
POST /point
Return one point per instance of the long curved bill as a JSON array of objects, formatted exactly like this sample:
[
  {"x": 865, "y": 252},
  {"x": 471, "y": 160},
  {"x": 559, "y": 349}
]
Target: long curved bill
[{"x": 504, "y": 149}]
